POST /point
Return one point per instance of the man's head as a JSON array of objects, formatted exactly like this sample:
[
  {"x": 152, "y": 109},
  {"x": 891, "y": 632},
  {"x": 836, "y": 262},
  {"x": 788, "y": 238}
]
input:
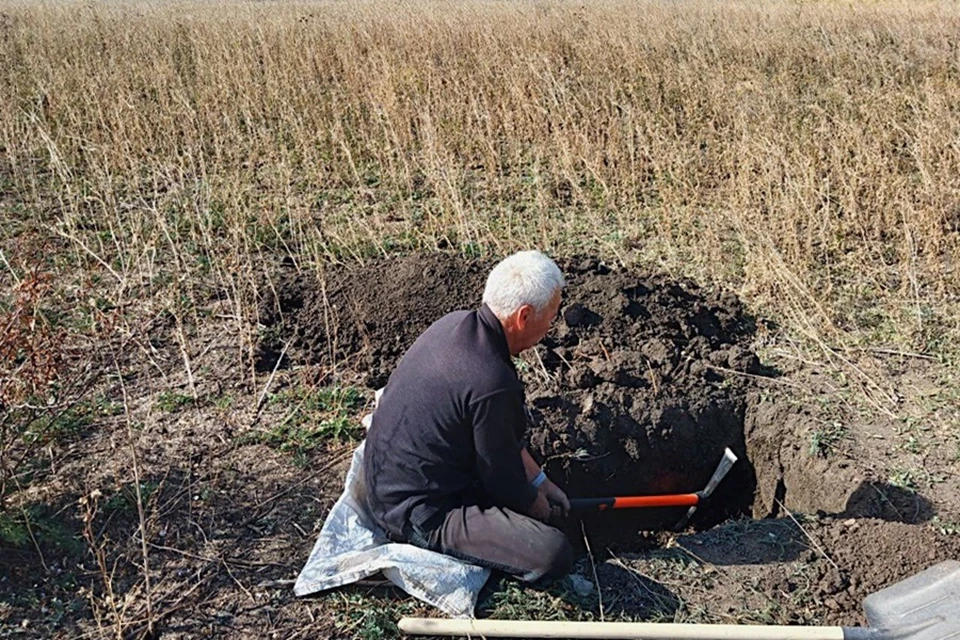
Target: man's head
[{"x": 523, "y": 291}]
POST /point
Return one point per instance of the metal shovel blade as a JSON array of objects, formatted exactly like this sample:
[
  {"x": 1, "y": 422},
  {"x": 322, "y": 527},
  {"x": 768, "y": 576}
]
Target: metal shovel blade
[{"x": 925, "y": 606}]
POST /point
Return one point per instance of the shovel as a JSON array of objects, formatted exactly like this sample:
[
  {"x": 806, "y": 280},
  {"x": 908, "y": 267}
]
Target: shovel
[
  {"x": 925, "y": 606},
  {"x": 691, "y": 500}
]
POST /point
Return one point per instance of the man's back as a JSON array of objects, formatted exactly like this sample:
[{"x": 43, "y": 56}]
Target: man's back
[{"x": 448, "y": 426}]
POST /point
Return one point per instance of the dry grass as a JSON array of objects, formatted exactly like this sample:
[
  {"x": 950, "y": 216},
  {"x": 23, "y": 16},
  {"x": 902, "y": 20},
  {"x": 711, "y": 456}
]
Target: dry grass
[
  {"x": 157, "y": 156},
  {"x": 806, "y": 154}
]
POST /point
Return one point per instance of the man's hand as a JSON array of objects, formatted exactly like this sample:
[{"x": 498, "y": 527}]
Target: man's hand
[
  {"x": 551, "y": 503},
  {"x": 555, "y": 496},
  {"x": 540, "y": 509}
]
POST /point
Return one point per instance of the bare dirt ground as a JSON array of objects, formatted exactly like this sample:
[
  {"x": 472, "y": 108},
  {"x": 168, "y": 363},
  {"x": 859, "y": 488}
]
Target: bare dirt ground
[{"x": 638, "y": 389}]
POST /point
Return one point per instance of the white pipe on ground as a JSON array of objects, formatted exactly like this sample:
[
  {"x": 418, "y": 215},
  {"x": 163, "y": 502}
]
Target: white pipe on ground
[{"x": 612, "y": 630}]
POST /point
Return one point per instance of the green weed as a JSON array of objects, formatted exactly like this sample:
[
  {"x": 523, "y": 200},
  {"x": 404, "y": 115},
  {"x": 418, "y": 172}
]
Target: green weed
[
  {"x": 904, "y": 479},
  {"x": 170, "y": 401},
  {"x": 316, "y": 417},
  {"x": 39, "y": 522},
  {"x": 945, "y": 527},
  {"x": 913, "y": 479},
  {"x": 515, "y": 601},
  {"x": 126, "y": 498},
  {"x": 51, "y": 428},
  {"x": 913, "y": 445},
  {"x": 13, "y": 529},
  {"x": 370, "y": 617},
  {"x": 825, "y": 439},
  {"x": 50, "y": 425}
]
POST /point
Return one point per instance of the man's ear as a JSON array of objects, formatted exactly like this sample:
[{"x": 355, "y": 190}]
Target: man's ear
[{"x": 524, "y": 314}]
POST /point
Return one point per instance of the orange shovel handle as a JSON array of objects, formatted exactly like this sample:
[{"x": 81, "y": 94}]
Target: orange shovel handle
[
  {"x": 635, "y": 502},
  {"x": 676, "y": 500}
]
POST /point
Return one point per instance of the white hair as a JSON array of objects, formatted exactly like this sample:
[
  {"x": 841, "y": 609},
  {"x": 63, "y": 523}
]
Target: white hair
[{"x": 526, "y": 277}]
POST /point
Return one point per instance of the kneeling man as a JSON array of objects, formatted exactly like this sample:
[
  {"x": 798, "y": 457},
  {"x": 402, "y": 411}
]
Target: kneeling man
[{"x": 444, "y": 464}]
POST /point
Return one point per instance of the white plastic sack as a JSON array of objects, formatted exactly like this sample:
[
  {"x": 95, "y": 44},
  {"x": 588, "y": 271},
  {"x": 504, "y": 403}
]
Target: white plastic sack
[{"x": 352, "y": 547}]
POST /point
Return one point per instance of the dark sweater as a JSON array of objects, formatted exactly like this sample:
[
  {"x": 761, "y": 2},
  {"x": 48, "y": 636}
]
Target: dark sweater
[{"x": 448, "y": 427}]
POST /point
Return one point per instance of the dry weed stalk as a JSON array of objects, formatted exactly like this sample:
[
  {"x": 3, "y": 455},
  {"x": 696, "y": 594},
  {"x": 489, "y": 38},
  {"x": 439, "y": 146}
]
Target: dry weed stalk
[
  {"x": 138, "y": 495},
  {"x": 107, "y": 611}
]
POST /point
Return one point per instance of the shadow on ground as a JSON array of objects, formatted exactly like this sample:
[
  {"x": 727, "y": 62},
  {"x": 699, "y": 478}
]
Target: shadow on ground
[{"x": 888, "y": 502}]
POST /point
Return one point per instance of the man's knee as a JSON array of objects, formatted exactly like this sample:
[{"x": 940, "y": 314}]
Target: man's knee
[{"x": 556, "y": 558}]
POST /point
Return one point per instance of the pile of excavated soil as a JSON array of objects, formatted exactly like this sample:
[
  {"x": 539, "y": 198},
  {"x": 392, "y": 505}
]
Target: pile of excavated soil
[
  {"x": 867, "y": 555},
  {"x": 367, "y": 317},
  {"x": 774, "y": 571},
  {"x": 638, "y": 388}
]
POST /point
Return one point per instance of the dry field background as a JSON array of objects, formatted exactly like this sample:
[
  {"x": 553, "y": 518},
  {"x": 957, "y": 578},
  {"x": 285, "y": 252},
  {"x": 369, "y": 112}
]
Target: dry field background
[
  {"x": 160, "y": 160},
  {"x": 805, "y": 154}
]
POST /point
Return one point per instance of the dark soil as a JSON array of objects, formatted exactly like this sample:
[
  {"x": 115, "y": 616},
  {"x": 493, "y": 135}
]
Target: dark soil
[
  {"x": 779, "y": 571},
  {"x": 641, "y": 369},
  {"x": 637, "y": 368},
  {"x": 365, "y": 318},
  {"x": 639, "y": 387}
]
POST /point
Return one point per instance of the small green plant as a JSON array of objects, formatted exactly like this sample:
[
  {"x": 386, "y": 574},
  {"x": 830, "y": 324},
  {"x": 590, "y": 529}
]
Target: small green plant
[
  {"x": 945, "y": 527},
  {"x": 300, "y": 439},
  {"x": 170, "y": 401},
  {"x": 13, "y": 529},
  {"x": 37, "y": 522},
  {"x": 317, "y": 416},
  {"x": 913, "y": 445},
  {"x": 369, "y": 618},
  {"x": 904, "y": 479},
  {"x": 50, "y": 428},
  {"x": 126, "y": 498},
  {"x": 824, "y": 439},
  {"x": 104, "y": 407},
  {"x": 521, "y": 365},
  {"x": 471, "y": 250},
  {"x": 913, "y": 478},
  {"x": 518, "y": 602},
  {"x": 376, "y": 625}
]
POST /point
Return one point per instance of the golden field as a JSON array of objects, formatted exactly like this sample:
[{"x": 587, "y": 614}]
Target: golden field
[{"x": 805, "y": 154}]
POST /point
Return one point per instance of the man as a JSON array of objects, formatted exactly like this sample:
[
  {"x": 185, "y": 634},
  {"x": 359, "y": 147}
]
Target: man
[{"x": 444, "y": 467}]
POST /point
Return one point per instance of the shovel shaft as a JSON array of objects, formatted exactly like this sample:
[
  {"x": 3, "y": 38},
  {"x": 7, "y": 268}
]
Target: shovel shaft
[
  {"x": 613, "y": 630},
  {"x": 634, "y": 502}
]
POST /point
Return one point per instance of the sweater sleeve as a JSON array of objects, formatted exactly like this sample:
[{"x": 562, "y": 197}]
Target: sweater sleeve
[{"x": 495, "y": 425}]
